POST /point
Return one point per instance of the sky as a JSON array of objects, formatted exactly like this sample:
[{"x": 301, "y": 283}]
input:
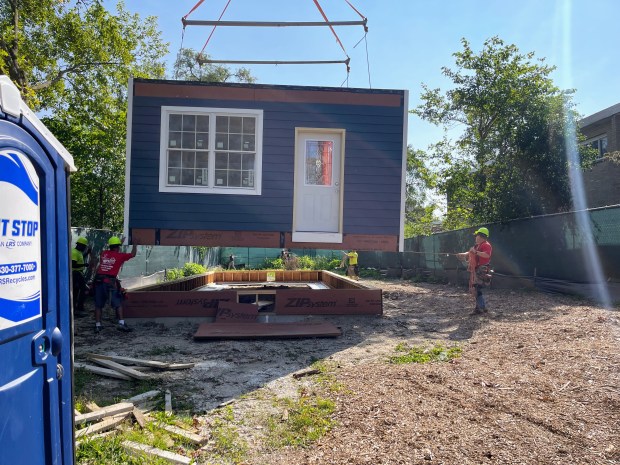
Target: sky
[{"x": 407, "y": 44}]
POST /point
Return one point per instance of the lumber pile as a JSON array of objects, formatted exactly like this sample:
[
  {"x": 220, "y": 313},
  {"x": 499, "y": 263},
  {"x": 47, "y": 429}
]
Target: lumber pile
[
  {"x": 103, "y": 421},
  {"x": 127, "y": 368}
]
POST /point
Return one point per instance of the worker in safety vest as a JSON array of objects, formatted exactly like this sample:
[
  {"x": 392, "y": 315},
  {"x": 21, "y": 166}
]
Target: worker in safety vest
[
  {"x": 79, "y": 263},
  {"x": 107, "y": 283},
  {"x": 478, "y": 258},
  {"x": 352, "y": 268}
]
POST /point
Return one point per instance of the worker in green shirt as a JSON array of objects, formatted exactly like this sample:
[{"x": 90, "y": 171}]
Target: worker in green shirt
[{"x": 78, "y": 266}]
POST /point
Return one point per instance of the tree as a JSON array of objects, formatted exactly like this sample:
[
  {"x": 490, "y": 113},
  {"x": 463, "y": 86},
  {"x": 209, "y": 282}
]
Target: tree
[
  {"x": 419, "y": 209},
  {"x": 191, "y": 66},
  {"x": 511, "y": 159},
  {"x": 73, "y": 60}
]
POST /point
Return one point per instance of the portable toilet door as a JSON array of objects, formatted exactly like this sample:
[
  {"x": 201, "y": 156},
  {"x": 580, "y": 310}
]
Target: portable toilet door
[{"x": 36, "y": 406}]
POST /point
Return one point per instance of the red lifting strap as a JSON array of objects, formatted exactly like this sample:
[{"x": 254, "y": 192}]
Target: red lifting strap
[
  {"x": 192, "y": 10},
  {"x": 355, "y": 9},
  {"x": 316, "y": 2},
  {"x": 213, "y": 30}
]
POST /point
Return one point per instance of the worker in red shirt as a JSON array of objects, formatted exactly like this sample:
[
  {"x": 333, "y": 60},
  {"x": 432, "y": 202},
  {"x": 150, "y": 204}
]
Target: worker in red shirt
[
  {"x": 478, "y": 258},
  {"x": 107, "y": 283}
]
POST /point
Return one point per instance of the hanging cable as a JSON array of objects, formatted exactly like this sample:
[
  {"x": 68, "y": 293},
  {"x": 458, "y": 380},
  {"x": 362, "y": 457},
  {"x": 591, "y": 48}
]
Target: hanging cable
[
  {"x": 214, "y": 27},
  {"x": 367, "y": 61},
  {"x": 176, "y": 71}
]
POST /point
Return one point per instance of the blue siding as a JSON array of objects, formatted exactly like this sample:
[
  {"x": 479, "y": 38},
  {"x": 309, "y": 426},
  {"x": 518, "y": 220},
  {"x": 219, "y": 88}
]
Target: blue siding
[{"x": 372, "y": 172}]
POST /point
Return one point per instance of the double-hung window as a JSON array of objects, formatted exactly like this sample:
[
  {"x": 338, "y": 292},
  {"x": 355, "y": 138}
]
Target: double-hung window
[{"x": 211, "y": 150}]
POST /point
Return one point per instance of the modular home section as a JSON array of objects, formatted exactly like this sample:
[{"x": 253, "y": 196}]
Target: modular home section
[{"x": 249, "y": 165}]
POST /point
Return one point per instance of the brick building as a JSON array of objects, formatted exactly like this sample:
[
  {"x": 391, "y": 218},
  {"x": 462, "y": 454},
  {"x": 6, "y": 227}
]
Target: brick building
[{"x": 602, "y": 181}]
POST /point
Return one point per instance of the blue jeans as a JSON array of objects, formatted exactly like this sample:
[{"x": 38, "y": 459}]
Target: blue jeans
[{"x": 480, "y": 303}]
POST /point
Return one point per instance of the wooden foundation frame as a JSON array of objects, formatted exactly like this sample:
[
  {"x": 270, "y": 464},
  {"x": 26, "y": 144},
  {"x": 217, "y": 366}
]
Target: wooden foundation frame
[{"x": 182, "y": 298}]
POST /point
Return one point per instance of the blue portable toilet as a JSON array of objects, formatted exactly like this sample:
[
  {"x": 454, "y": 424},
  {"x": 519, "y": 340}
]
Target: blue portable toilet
[{"x": 36, "y": 341}]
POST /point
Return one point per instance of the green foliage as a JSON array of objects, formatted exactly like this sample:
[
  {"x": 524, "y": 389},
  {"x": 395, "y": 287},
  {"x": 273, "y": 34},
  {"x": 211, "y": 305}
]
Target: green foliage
[
  {"x": 191, "y": 269},
  {"x": 272, "y": 264},
  {"x": 309, "y": 418},
  {"x": 305, "y": 262},
  {"x": 420, "y": 354},
  {"x": 174, "y": 273},
  {"x": 326, "y": 263},
  {"x": 513, "y": 157},
  {"x": 420, "y": 181},
  {"x": 191, "y": 66}
]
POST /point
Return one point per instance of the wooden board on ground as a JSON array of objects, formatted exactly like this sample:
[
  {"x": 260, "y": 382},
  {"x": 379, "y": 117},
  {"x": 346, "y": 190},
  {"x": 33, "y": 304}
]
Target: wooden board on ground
[
  {"x": 101, "y": 371},
  {"x": 143, "y": 397},
  {"x": 266, "y": 330},
  {"x": 104, "y": 412},
  {"x": 192, "y": 437},
  {"x": 139, "y": 416},
  {"x": 122, "y": 369},
  {"x": 105, "y": 425},
  {"x": 130, "y": 361},
  {"x": 136, "y": 449}
]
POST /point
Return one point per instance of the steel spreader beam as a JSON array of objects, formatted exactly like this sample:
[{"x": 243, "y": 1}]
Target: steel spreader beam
[
  {"x": 272, "y": 62},
  {"x": 191, "y": 22}
]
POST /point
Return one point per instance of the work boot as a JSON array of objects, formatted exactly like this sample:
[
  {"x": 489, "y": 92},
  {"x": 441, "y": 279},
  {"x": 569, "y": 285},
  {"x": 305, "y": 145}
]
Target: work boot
[
  {"x": 123, "y": 327},
  {"x": 98, "y": 329},
  {"x": 477, "y": 311}
]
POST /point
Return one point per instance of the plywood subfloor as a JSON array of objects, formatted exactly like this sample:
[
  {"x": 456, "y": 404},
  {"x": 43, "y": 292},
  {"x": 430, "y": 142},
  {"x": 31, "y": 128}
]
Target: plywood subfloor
[{"x": 265, "y": 330}]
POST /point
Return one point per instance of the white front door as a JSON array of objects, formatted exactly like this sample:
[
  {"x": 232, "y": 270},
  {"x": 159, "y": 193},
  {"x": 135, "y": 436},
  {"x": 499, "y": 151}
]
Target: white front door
[{"x": 318, "y": 185}]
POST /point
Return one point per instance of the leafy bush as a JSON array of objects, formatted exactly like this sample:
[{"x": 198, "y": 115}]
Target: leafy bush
[
  {"x": 272, "y": 264},
  {"x": 191, "y": 269},
  {"x": 326, "y": 263},
  {"x": 305, "y": 263},
  {"x": 174, "y": 273}
]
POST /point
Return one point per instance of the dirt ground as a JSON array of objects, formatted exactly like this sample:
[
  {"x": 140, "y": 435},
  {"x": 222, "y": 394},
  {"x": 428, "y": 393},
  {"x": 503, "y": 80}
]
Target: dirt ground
[{"x": 538, "y": 380}]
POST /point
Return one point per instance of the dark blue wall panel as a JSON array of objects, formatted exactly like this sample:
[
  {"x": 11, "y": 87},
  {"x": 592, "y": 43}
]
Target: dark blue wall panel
[{"x": 372, "y": 171}]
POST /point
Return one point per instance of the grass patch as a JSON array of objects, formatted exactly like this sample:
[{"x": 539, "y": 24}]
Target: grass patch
[
  {"x": 422, "y": 354},
  {"x": 309, "y": 418},
  {"x": 109, "y": 450},
  {"x": 227, "y": 445},
  {"x": 164, "y": 350},
  {"x": 326, "y": 377},
  {"x": 81, "y": 379}
]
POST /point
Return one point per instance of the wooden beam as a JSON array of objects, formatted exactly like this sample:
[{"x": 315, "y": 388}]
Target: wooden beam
[
  {"x": 143, "y": 397},
  {"x": 101, "y": 371},
  {"x": 137, "y": 450},
  {"x": 168, "y": 402},
  {"x": 108, "y": 411},
  {"x": 130, "y": 361},
  {"x": 139, "y": 416},
  {"x": 122, "y": 369},
  {"x": 180, "y": 366},
  {"x": 105, "y": 425},
  {"x": 191, "y": 437}
]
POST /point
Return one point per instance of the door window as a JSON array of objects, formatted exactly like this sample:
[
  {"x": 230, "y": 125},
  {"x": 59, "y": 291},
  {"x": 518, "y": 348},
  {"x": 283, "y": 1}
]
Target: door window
[{"x": 318, "y": 166}]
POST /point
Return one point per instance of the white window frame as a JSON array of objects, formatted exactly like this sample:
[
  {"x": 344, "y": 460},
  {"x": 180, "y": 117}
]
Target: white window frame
[{"x": 211, "y": 188}]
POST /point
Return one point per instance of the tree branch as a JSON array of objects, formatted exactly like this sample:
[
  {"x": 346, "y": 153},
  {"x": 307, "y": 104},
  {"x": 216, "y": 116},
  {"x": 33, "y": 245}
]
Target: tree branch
[{"x": 71, "y": 69}]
